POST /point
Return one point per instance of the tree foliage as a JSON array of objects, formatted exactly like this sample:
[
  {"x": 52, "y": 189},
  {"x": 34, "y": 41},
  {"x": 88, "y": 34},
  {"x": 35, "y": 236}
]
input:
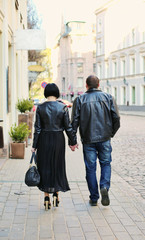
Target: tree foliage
[
  {"x": 37, "y": 91},
  {"x": 33, "y": 22}
]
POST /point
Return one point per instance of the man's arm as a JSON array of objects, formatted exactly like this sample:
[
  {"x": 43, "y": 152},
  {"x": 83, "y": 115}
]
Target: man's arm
[
  {"x": 115, "y": 116},
  {"x": 75, "y": 116}
]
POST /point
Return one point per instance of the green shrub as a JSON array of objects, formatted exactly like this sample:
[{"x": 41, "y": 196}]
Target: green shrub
[
  {"x": 19, "y": 133},
  {"x": 24, "y": 105}
]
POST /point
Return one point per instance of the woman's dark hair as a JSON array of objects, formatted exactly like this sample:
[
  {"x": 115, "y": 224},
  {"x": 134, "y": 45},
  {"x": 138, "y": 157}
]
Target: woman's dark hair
[
  {"x": 92, "y": 81},
  {"x": 51, "y": 89}
]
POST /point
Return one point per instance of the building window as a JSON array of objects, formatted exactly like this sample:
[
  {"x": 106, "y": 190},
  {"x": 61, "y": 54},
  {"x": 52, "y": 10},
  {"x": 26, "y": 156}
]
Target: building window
[
  {"x": 114, "y": 69},
  {"x": 143, "y": 64},
  {"x": 107, "y": 90},
  {"x": 133, "y": 95},
  {"x": 94, "y": 54},
  {"x": 133, "y": 65},
  {"x": 106, "y": 69},
  {"x": 143, "y": 94},
  {"x": 63, "y": 84},
  {"x": 115, "y": 93},
  {"x": 124, "y": 95},
  {"x": 99, "y": 48},
  {"x": 133, "y": 36},
  {"x": 94, "y": 67},
  {"x": 143, "y": 36},
  {"x": 99, "y": 25},
  {"x": 79, "y": 67},
  {"x": 99, "y": 70},
  {"x": 123, "y": 67},
  {"x": 79, "y": 82},
  {"x": 79, "y": 55}
]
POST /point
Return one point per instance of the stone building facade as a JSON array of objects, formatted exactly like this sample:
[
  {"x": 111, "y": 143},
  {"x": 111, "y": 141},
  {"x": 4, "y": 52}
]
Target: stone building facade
[
  {"x": 76, "y": 57},
  {"x": 13, "y": 63},
  {"x": 120, "y": 50}
]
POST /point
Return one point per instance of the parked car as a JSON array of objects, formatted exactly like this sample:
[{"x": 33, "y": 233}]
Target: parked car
[{"x": 66, "y": 102}]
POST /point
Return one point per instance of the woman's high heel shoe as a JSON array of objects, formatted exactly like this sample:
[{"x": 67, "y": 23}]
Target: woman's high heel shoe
[
  {"x": 47, "y": 203},
  {"x": 55, "y": 199}
]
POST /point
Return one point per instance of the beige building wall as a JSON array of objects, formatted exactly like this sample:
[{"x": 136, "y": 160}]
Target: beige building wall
[{"x": 13, "y": 63}]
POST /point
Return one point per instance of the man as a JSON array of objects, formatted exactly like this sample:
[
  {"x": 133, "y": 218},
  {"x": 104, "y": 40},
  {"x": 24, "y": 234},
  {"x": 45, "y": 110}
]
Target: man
[{"x": 97, "y": 116}]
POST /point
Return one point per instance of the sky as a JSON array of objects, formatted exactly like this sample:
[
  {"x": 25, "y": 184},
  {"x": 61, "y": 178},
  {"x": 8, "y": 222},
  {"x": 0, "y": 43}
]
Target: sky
[{"x": 52, "y": 11}]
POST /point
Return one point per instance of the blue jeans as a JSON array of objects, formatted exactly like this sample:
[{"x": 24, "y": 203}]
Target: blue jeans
[{"x": 91, "y": 151}]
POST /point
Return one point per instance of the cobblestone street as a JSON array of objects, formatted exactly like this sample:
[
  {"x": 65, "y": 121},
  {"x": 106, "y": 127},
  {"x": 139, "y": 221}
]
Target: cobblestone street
[
  {"x": 129, "y": 152},
  {"x": 22, "y": 214}
]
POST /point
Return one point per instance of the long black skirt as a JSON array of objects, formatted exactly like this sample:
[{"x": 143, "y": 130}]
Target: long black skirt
[{"x": 51, "y": 162}]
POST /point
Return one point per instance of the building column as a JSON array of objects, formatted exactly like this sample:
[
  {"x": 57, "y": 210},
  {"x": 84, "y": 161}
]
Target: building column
[{"x": 4, "y": 70}]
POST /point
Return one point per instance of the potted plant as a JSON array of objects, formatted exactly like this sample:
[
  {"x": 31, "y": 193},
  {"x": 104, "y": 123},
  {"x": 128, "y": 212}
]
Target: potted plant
[
  {"x": 25, "y": 106},
  {"x": 18, "y": 135}
]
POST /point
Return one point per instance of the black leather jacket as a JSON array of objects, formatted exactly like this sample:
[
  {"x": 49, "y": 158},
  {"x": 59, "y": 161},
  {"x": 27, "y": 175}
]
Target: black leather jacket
[
  {"x": 53, "y": 116},
  {"x": 97, "y": 116}
]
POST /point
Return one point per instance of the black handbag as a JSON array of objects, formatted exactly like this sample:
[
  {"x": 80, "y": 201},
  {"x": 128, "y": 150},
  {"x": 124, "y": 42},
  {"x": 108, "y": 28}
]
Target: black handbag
[{"x": 32, "y": 176}]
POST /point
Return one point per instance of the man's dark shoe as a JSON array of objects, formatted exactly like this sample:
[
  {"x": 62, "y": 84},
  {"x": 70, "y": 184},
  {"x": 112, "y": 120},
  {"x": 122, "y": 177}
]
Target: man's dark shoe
[
  {"x": 93, "y": 203},
  {"x": 105, "y": 198}
]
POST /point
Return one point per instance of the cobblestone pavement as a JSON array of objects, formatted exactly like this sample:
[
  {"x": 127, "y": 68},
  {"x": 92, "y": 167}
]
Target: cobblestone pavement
[
  {"x": 22, "y": 214},
  {"x": 129, "y": 152}
]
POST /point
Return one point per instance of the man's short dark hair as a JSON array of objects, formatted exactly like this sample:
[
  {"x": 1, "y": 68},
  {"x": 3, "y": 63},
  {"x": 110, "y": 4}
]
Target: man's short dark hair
[
  {"x": 51, "y": 89},
  {"x": 92, "y": 81}
]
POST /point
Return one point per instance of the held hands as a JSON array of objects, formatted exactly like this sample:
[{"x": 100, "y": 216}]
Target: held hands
[
  {"x": 33, "y": 150},
  {"x": 74, "y": 147}
]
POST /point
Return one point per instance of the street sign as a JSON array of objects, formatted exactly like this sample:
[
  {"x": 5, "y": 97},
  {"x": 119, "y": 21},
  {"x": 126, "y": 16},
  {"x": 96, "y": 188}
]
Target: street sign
[{"x": 43, "y": 84}]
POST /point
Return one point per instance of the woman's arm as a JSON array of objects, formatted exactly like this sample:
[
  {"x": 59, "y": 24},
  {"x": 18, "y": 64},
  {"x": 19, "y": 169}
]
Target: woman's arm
[
  {"x": 68, "y": 128},
  {"x": 37, "y": 130}
]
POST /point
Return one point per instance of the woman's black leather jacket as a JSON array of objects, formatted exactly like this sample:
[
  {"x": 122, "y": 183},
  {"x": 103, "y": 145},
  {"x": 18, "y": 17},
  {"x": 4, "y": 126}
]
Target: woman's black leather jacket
[
  {"x": 97, "y": 116},
  {"x": 53, "y": 116}
]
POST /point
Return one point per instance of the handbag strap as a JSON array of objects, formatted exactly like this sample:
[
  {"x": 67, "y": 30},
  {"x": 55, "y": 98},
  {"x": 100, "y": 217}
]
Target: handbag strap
[{"x": 33, "y": 157}]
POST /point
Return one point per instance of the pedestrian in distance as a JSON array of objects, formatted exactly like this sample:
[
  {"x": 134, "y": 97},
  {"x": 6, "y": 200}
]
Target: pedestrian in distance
[
  {"x": 96, "y": 114},
  {"x": 52, "y": 118}
]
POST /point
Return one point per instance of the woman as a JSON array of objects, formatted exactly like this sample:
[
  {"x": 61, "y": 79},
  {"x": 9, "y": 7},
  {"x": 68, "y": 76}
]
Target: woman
[{"x": 52, "y": 119}]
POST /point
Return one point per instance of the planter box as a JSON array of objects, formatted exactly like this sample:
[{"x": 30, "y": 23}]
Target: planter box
[
  {"x": 31, "y": 118},
  {"x": 17, "y": 150},
  {"x": 24, "y": 118}
]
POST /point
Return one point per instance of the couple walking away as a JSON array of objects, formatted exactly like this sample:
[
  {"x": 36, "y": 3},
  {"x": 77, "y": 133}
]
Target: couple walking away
[{"x": 96, "y": 115}]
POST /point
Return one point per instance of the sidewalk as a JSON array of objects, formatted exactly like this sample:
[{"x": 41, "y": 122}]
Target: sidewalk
[
  {"x": 133, "y": 113},
  {"x": 22, "y": 214}
]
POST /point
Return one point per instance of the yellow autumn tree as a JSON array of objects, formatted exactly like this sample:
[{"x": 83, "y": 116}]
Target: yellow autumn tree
[{"x": 36, "y": 90}]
